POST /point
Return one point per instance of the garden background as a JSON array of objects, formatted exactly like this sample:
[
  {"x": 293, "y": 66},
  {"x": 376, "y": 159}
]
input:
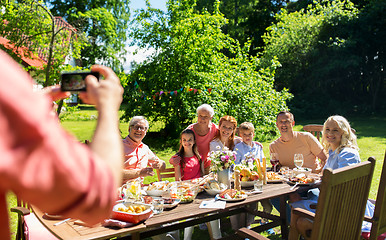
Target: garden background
[{"x": 248, "y": 59}]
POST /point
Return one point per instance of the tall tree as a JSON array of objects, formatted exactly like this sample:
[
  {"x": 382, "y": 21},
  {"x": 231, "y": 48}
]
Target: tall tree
[
  {"x": 189, "y": 68},
  {"x": 31, "y": 28},
  {"x": 333, "y": 51},
  {"x": 247, "y": 19},
  {"x": 104, "y": 22}
]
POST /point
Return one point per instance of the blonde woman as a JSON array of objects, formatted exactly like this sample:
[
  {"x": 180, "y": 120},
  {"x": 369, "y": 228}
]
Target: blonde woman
[{"x": 340, "y": 142}]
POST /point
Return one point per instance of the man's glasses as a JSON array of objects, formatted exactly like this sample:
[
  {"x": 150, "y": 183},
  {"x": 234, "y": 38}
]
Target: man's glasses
[{"x": 139, "y": 128}]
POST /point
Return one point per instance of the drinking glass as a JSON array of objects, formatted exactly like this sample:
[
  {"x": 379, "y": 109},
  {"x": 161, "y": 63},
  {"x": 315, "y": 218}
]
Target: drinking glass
[
  {"x": 158, "y": 205},
  {"x": 258, "y": 185},
  {"x": 298, "y": 160},
  {"x": 274, "y": 160}
]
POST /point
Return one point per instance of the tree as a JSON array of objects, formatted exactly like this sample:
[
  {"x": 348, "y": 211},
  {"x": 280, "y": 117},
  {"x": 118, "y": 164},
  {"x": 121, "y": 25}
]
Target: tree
[
  {"x": 30, "y": 24},
  {"x": 105, "y": 24},
  {"x": 189, "y": 68},
  {"x": 330, "y": 51},
  {"x": 247, "y": 19}
]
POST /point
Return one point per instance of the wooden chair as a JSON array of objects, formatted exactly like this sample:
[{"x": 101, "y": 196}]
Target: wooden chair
[
  {"x": 341, "y": 205},
  {"x": 317, "y": 130},
  {"x": 166, "y": 173},
  {"x": 314, "y": 129},
  {"x": 379, "y": 219},
  {"x": 28, "y": 225}
]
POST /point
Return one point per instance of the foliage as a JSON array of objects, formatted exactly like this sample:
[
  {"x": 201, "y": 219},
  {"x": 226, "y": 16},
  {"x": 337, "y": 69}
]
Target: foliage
[
  {"x": 330, "y": 50},
  {"x": 190, "y": 54},
  {"x": 247, "y": 20},
  {"x": 105, "y": 24},
  {"x": 221, "y": 159},
  {"x": 30, "y": 24}
]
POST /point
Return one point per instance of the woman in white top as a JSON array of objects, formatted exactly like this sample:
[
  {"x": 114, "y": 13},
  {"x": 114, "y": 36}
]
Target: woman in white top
[{"x": 226, "y": 135}]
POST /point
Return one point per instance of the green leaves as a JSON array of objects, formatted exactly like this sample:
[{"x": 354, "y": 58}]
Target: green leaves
[{"x": 194, "y": 52}]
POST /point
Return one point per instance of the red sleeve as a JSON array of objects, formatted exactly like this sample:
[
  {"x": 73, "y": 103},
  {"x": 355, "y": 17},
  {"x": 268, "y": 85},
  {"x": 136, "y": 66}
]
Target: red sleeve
[{"x": 40, "y": 162}]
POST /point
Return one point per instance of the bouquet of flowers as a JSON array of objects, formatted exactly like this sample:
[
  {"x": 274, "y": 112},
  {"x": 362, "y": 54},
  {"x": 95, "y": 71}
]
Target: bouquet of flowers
[{"x": 221, "y": 159}]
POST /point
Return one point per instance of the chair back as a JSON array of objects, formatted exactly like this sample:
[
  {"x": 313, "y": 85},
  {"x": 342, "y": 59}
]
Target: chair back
[
  {"x": 342, "y": 201},
  {"x": 379, "y": 219},
  {"x": 314, "y": 129},
  {"x": 166, "y": 173}
]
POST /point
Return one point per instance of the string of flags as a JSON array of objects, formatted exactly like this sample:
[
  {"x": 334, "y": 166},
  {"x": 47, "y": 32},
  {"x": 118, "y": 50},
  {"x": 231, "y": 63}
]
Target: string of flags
[{"x": 171, "y": 93}]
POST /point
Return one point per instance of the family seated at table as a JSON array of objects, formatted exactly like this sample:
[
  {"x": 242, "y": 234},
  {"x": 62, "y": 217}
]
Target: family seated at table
[{"x": 202, "y": 137}]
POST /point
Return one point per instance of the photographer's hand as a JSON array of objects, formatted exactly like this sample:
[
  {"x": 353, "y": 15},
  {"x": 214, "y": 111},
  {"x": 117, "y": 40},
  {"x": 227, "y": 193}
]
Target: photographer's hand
[{"x": 107, "y": 97}]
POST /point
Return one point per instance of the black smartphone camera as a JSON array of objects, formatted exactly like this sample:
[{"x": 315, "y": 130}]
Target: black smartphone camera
[{"x": 75, "y": 81}]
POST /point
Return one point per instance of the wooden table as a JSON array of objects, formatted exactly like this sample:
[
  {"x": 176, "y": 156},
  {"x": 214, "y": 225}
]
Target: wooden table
[{"x": 171, "y": 219}]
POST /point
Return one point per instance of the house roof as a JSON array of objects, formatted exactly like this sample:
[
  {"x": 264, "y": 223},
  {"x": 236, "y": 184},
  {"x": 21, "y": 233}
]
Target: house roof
[{"x": 28, "y": 59}]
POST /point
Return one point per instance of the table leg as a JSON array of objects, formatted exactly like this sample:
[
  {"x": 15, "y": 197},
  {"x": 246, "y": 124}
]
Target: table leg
[
  {"x": 283, "y": 217},
  {"x": 135, "y": 236}
]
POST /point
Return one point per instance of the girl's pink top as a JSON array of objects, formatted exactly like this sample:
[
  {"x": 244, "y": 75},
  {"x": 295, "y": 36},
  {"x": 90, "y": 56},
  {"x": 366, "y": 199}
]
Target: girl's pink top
[
  {"x": 192, "y": 168},
  {"x": 203, "y": 142}
]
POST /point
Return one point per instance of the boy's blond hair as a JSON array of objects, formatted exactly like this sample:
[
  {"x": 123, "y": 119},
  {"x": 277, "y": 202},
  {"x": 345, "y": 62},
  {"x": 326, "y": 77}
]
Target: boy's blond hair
[{"x": 246, "y": 126}]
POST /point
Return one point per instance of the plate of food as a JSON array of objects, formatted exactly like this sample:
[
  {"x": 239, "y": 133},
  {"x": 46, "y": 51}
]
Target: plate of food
[
  {"x": 273, "y": 177},
  {"x": 214, "y": 187},
  {"x": 171, "y": 202},
  {"x": 132, "y": 212},
  {"x": 186, "y": 191},
  {"x": 303, "y": 180},
  {"x": 157, "y": 189},
  {"x": 231, "y": 195}
]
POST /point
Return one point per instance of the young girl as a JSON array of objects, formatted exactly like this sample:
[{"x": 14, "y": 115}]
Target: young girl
[{"x": 190, "y": 166}]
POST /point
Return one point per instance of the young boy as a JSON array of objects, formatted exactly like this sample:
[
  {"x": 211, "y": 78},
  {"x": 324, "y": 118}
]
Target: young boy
[
  {"x": 255, "y": 149},
  {"x": 248, "y": 146}
]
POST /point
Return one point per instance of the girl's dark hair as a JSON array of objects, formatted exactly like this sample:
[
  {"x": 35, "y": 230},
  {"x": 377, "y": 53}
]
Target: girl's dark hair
[{"x": 181, "y": 151}]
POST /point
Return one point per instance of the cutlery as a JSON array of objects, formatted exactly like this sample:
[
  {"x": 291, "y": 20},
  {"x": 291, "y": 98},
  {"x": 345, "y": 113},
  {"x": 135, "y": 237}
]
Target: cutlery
[
  {"x": 296, "y": 184},
  {"x": 58, "y": 223}
]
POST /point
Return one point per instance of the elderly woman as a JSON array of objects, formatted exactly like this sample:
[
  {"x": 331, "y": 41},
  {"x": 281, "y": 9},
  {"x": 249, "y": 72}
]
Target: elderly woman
[
  {"x": 204, "y": 131},
  {"x": 139, "y": 159}
]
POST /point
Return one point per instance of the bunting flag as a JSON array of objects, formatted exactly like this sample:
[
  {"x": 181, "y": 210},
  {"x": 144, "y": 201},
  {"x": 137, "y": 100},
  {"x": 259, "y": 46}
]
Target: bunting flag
[{"x": 158, "y": 94}]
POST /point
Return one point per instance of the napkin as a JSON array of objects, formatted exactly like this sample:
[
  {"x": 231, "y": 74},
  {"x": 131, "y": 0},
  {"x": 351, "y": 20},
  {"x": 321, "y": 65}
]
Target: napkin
[
  {"x": 212, "y": 204},
  {"x": 115, "y": 223}
]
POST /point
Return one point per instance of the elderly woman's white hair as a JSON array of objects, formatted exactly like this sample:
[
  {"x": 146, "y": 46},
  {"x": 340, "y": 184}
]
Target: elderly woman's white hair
[
  {"x": 136, "y": 119},
  {"x": 206, "y": 107},
  {"x": 349, "y": 139}
]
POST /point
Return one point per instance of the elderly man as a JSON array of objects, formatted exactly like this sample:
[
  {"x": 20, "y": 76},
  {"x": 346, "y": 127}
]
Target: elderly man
[
  {"x": 291, "y": 142},
  {"x": 139, "y": 159}
]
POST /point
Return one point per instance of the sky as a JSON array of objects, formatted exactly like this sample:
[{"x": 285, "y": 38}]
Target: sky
[{"x": 142, "y": 54}]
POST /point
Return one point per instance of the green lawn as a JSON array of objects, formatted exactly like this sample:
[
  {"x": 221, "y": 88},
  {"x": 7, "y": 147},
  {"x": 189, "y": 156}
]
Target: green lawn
[{"x": 371, "y": 132}]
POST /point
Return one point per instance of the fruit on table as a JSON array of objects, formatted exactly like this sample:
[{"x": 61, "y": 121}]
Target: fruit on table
[{"x": 245, "y": 172}]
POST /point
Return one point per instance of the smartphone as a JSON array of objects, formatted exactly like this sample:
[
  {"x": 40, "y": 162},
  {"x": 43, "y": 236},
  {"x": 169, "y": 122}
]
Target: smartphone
[{"x": 75, "y": 81}]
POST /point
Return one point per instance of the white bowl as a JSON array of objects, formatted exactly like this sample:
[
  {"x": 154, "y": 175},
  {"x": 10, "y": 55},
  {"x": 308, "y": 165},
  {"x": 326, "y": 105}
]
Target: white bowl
[
  {"x": 247, "y": 183},
  {"x": 213, "y": 192},
  {"x": 155, "y": 193},
  {"x": 298, "y": 171}
]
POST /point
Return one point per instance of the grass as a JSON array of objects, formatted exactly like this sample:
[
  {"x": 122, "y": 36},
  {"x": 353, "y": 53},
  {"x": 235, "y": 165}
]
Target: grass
[{"x": 371, "y": 132}]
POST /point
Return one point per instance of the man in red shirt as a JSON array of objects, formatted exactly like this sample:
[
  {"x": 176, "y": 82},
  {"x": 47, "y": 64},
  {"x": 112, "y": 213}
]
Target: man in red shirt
[{"x": 47, "y": 167}]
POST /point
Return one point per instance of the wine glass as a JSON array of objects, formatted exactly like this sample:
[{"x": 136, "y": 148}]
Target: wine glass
[
  {"x": 274, "y": 160},
  {"x": 298, "y": 160}
]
